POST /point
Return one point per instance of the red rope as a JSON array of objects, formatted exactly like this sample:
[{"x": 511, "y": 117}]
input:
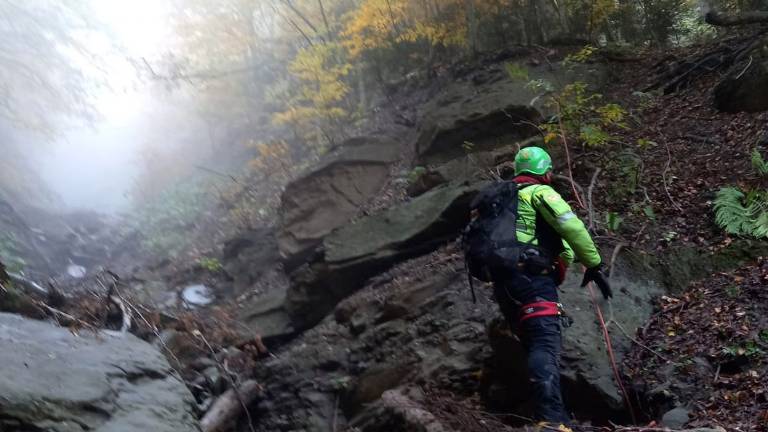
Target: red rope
[
  {"x": 606, "y": 335},
  {"x": 611, "y": 356}
]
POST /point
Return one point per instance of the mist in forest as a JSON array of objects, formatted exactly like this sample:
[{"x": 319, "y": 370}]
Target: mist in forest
[{"x": 117, "y": 101}]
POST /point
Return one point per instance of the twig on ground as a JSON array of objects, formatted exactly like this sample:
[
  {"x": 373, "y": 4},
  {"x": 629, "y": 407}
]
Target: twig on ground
[
  {"x": 64, "y": 319},
  {"x": 745, "y": 69},
  {"x": 637, "y": 342},
  {"x": 666, "y": 170},
  {"x": 159, "y": 338},
  {"x": 230, "y": 379},
  {"x": 639, "y": 233},
  {"x": 717, "y": 374},
  {"x": 27, "y": 283},
  {"x": 590, "y": 209},
  {"x": 614, "y": 255},
  {"x": 335, "y": 414},
  {"x": 698, "y": 138}
]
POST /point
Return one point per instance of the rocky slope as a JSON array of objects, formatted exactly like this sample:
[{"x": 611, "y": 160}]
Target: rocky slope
[{"x": 359, "y": 294}]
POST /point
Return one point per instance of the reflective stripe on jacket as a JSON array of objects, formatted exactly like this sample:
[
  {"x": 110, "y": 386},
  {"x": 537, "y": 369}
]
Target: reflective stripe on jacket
[{"x": 557, "y": 213}]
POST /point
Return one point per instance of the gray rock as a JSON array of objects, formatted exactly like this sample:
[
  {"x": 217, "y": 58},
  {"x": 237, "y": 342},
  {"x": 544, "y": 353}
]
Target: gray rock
[
  {"x": 268, "y": 316},
  {"x": 332, "y": 193},
  {"x": 676, "y": 418},
  {"x": 249, "y": 256},
  {"x": 358, "y": 324},
  {"x": 358, "y": 251},
  {"x": 488, "y": 116},
  {"x": 55, "y": 381}
]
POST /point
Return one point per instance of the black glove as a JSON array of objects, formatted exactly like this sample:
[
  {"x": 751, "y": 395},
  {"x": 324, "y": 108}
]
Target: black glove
[{"x": 597, "y": 275}]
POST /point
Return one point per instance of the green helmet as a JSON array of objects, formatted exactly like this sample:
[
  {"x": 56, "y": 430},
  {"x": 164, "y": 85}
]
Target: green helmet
[{"x": 532, "y": 160}]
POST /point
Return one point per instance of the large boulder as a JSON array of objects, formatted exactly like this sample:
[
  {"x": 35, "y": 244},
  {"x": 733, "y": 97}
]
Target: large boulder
[
  {"x": 54, "y": 380},
  {"x": 491, "y": 109},
  {"x": 360, "y": 250},
  {"x": 249, "y": 255},
  {"x": 332, "y": 193}
]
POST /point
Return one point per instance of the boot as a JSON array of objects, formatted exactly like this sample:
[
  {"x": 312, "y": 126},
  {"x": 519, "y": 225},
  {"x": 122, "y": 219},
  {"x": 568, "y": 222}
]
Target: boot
[{"x": 556, "y": 427}]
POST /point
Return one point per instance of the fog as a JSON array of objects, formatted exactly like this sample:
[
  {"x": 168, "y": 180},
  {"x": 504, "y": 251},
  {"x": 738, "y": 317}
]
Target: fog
[{"x": 93, "y": 164}]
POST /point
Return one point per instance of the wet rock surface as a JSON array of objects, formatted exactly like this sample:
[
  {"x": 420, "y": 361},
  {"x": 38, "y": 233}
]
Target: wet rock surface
[
  {"x": 332, "y": 193},
  {"x": 54, "y": 380},
  {"x": 416, "y": 325},
  {"x": 358, "y": 251}
]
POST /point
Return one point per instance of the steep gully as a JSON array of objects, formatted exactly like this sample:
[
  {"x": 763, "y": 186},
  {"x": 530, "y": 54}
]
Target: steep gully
[{"x": 368, "y": 318}]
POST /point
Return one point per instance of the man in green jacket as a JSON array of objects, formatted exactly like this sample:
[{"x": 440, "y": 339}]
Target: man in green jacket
[{"x": 551, "y": 236}]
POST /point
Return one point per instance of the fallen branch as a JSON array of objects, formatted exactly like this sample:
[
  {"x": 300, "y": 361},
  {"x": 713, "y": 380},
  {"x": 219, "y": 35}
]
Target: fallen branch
[
  {"x": 590, "y": 209},
  {"x": 717, "y": 18},
  {"x": 614, "y": 255},
  {"x": 236, "y": 393},
  {"x": 568, "y": 155},
  {"x": 29, "y": 285},
  {"x": 3, "y": 274},
  {"x": 124, "y": 311},
  {"x": 698, "y": 138},
  {"x": 664, "y": 175},
  {"x": 113, "y": 295},
  {"x": 64, "y": 319},
  {"x": 228, "y": 407}
]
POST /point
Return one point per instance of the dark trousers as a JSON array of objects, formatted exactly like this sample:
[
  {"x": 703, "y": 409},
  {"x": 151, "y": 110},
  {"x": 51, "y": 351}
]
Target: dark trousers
[{"x": 541, "y": 337}]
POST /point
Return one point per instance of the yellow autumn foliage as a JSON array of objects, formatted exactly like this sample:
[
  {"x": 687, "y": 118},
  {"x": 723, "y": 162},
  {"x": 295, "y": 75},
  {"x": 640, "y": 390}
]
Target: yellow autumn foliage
[
  {"x": 386, "y": 23},
  {"x": 321, "y": 89}
]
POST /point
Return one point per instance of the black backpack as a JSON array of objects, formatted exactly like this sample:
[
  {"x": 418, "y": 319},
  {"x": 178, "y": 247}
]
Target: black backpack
[{"x": 490, "y": 239}]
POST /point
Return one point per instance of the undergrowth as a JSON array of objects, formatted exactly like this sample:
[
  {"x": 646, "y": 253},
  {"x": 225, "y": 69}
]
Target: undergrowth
[{"x": 744, "y": 211}]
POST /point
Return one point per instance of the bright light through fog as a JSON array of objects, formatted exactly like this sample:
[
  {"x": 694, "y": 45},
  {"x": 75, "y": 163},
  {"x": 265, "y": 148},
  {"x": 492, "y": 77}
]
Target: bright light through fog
[{"x": 104, "y": 155}]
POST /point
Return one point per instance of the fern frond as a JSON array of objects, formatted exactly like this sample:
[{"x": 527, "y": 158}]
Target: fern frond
[
  {"x": 730, "y": 213},
  {"x": 759, "y": 164},
  {"x": 761, "y": 225},
  {"x": 742, "y": 214}
]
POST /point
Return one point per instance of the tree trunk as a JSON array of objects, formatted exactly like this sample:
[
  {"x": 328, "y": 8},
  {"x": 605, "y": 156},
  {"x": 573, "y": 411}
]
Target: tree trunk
[{"x": 325, "y": 18}]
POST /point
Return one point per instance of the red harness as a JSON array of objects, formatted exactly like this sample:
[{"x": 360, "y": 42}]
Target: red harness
[{"x": 540, "y": 309}]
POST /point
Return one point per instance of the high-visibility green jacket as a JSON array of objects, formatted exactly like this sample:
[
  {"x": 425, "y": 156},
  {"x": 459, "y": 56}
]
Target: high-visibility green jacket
[{"x": 544, "y": 201}]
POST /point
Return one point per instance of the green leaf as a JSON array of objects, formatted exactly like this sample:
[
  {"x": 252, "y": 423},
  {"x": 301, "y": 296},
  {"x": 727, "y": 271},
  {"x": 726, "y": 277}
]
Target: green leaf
[
  {"x": 742, "y": 214},
  {"x": 594, "y": 135},
  {"x": 759, "y": 164},
  {"x": 648, "y": 211},
  {"x": 613, "y": 220},
  {"x": 516, "y": 72}
]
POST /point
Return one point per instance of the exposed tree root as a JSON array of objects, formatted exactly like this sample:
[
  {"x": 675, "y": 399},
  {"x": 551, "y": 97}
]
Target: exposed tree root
[{"x": 680, "y": 74}]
